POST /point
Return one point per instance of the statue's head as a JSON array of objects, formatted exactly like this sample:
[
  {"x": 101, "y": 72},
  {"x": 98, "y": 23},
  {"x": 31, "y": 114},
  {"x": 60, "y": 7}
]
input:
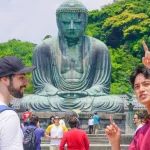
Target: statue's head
[{"x": 72, "y": 19}]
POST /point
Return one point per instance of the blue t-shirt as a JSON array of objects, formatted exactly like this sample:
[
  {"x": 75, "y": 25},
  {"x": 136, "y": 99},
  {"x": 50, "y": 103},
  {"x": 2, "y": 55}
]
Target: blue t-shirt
[
  {"x": 96, "y": 119},
  {"x": 39, "y": 132}
]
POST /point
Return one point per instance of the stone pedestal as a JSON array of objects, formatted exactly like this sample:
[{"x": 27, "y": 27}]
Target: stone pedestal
[
  {"x": 130, "y": 127},
  {"x": 119, "y": 119}
]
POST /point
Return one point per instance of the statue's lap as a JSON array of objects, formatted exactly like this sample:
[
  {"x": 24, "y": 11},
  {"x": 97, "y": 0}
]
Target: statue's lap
[{"x": 109, "y": 103}]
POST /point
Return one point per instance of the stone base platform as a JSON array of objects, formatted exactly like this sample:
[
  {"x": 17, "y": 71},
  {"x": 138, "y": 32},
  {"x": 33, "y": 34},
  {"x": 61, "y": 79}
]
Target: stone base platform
[
  {"x": 97, "y": 142},
  {"x": 119, "y": 119}
]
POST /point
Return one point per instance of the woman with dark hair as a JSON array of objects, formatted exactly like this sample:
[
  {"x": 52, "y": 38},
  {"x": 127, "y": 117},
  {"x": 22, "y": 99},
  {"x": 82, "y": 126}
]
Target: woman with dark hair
[
  {"x": 74, "y": 138},
  {"x": 51, "y": 120}
]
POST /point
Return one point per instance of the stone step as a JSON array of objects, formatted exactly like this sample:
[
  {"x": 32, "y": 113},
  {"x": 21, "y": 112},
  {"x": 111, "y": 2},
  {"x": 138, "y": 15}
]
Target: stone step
[
  {"x": 99, "y": 132},
  {"x": 98, "y": 141},
  {"x": 101, "y": 139},
  {"x": 92, "y": 147},
  {"x": 91, "y": 142},
  {"x": 98, "y": 135},
  {"x": 90, "y": 138}
]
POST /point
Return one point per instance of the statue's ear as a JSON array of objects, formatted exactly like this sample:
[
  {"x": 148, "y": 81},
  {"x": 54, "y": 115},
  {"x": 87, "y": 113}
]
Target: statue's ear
[
  {"x": 59, "y": 31},
  {"x": 58, "y": 25},
  {"x": 58, "y": 22}
]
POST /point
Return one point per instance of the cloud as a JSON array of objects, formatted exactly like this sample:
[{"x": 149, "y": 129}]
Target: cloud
[{"x": 32, "y": 20}]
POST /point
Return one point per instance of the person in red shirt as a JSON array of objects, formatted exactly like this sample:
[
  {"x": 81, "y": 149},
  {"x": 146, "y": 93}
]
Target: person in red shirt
[
  {"x": 74, "y": 138},
  {"x": 26, "y": 116}
]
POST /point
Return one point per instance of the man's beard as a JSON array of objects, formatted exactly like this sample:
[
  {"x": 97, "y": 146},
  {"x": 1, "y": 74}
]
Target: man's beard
[{"x": 15, "y": 92}]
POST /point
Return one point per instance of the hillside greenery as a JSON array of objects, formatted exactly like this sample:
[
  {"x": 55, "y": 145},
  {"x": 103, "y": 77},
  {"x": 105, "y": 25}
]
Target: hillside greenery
[
  {"x": 121, "y": 25},
  {"x": 22, "y": 50}
]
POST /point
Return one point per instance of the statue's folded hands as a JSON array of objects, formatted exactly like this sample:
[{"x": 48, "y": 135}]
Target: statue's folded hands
[{"x": 72, "y": 94}]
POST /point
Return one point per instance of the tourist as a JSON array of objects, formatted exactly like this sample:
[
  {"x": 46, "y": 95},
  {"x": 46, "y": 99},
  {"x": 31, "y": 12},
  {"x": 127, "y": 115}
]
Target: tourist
[
  {"x": 56, "y": 132},
  {"x": 140, "y": 81},
  {"x": 78, "y": 121},
  {"x": 13, "y": 81},
  {"x": 62, "y": 121},
  {"x": 90, "y": 124},
  {"x": 75, "y": 139},
  {"x": 51, "y": 121},
  {"x": 96, "y": 119},
  {"x": 39, "y": 132},
  {"x": 138, "y": 121},
  {"x": 26, "y": 115}
]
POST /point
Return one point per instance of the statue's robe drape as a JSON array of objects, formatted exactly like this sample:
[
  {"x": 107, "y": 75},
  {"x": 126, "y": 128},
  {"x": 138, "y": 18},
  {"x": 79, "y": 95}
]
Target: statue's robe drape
[
  {"x": 95, "y": 80},
  {"x": 47, "y": 78}
]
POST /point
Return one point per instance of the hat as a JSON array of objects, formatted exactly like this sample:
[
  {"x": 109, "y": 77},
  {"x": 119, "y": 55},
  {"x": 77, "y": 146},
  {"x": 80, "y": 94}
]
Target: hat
[{"x": 12, "y": 65}]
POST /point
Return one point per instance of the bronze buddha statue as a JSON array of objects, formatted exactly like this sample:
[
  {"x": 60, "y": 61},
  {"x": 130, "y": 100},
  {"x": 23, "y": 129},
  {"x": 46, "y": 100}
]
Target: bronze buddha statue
[{"x": 73, "y": 69}]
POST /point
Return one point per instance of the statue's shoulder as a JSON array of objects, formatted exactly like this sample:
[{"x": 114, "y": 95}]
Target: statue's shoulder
[
  {"x": 47, "y": 43},
  {"x": 95, "y": 43}
]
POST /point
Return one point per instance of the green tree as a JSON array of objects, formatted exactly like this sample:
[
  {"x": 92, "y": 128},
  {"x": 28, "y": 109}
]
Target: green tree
[{"x": 22, "y": 50}]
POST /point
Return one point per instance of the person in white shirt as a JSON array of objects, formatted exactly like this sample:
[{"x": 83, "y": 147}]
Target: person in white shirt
[
  {"x": 90, "y": 124},
  {"x": 62, "y": 122},
  {"x": 12, "y": 84},
  {"x": 138, "y": 120},
  {"x": 56, "y": 132}
]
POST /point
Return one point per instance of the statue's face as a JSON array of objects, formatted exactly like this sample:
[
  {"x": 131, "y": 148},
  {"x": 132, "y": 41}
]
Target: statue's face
[{"x": 71, "y": 25}]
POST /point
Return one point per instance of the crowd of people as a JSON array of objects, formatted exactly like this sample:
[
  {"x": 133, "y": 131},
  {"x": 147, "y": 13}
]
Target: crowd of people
[
  {"x": 57, "y": 133},
  {"x": 94, "y": 123}
]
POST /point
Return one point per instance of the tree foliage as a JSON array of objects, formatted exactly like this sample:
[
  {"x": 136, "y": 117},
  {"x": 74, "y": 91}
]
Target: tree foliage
[
  {"x": 122, "y": 66},
  {"x": 122, "y": 26},
  {"x": 121, "y": 23}
]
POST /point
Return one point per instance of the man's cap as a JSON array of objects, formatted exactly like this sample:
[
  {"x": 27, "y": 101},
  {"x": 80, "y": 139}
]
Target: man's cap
[{"x": 12, "y": 65}]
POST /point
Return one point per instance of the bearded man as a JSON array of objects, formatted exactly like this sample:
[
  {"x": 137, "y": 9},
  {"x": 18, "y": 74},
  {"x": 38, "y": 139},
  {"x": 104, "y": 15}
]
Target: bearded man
[{"x": 12, "y": 84}]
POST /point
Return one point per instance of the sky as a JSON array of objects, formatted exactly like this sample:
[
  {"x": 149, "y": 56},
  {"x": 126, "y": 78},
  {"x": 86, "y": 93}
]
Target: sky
[{"x": 32, "y": 20}]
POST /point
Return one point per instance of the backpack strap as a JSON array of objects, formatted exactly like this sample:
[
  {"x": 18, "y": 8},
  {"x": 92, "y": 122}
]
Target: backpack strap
[{"x": 4, "y": 107}]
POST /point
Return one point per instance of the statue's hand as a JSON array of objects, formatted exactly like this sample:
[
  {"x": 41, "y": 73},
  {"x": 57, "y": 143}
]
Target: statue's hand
[
  {"x": 72, "y": 94},
  {"x": 93, "y": 93},
  {"x": 146, "y": 59}
]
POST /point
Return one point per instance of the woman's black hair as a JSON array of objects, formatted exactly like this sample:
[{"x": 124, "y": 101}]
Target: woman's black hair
[
  {"x": 139, "y": 70},
  {"x": 33, "y": 119},
  {"x": 73, "y": 122}
]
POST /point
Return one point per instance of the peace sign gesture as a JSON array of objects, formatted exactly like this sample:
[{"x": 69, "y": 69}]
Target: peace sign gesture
[{"x": 146, "y": 59}]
